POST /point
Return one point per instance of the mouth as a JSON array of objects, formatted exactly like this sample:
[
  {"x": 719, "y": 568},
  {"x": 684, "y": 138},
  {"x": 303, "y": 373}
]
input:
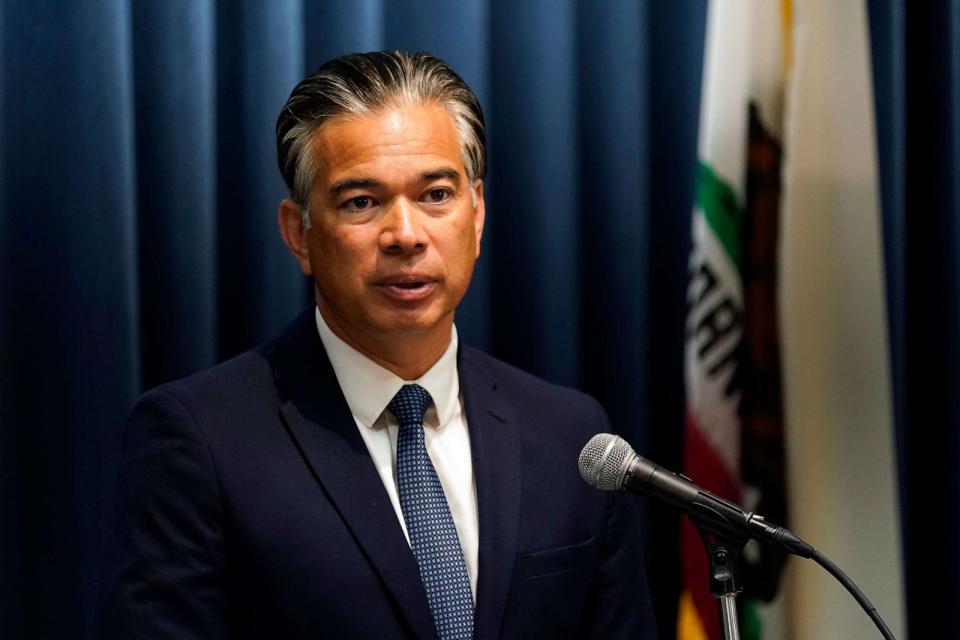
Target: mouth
[{"x": 407, "y": 287}]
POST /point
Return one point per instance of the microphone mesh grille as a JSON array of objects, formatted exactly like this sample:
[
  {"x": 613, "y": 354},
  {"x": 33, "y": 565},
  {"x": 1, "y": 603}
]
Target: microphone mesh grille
[{"x": 601, "y": 461}]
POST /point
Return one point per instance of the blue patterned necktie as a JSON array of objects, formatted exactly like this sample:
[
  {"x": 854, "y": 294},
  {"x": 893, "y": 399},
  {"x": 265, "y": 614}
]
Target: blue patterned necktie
[{"x": 433, "y": 536}]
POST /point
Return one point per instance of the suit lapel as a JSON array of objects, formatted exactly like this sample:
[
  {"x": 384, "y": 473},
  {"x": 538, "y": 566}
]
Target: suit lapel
[
  {"x": 320, "y": 422},
  {"x": 496, "y": 453}
]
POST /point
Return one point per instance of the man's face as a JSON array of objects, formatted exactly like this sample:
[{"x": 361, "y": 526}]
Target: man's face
[{"x": 394, "y": 230}]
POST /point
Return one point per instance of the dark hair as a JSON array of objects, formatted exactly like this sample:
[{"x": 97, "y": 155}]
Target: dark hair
[{"x": 361, "y": 83}]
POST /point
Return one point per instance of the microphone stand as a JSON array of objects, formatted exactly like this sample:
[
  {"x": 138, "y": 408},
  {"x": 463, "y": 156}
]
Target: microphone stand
[{"x": 724, "y": 549}]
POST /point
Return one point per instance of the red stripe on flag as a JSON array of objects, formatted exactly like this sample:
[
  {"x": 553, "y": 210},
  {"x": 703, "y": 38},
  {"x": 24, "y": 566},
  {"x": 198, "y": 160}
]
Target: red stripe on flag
[{"x": 705, "y": 467}]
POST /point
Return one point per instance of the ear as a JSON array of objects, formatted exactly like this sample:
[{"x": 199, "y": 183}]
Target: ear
[
  {"x": 290, "y": 221},
  {"x": 480, "y": 211}
]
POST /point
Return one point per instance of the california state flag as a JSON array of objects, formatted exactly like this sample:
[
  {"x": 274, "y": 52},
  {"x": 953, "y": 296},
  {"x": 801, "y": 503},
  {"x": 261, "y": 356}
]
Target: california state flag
[{"x": 741, "y": 35}]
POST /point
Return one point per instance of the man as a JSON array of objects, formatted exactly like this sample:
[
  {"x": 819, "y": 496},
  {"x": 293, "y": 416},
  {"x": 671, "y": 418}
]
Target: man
[{"x": 365, "y": 475}]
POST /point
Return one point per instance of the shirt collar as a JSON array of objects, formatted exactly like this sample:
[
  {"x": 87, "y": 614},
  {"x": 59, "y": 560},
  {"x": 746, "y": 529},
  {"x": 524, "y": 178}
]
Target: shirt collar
[{"x": 369, "y": 388}]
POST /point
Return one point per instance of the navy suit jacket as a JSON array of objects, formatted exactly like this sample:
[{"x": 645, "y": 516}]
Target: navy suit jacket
[{"x": 248, "y": 507}]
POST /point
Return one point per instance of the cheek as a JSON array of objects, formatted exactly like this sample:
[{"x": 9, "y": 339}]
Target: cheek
[
  {"x": 343, "y": 261},
  {"x": 468, "y": 239},
  {"x": 461, "y": 249}
]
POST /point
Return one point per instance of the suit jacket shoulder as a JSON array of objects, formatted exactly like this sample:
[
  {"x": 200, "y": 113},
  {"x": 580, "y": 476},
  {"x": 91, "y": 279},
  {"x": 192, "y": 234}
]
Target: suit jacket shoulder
[{"x": 564, "y": 412}]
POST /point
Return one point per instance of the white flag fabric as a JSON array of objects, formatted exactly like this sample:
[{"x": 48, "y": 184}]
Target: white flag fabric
[{"x": 842, "y": 481}]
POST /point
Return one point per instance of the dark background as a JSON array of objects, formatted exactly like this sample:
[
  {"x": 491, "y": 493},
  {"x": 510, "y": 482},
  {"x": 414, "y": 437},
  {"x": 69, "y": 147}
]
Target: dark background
[{"x": 138, "y": 243}]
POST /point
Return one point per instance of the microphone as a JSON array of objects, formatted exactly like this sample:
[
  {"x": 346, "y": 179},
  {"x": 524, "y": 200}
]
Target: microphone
[{"x": 607, "y": 462}]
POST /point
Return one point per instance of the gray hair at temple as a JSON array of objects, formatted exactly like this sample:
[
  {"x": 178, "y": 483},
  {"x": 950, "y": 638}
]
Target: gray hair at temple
[{"x": 362, "y": 83}]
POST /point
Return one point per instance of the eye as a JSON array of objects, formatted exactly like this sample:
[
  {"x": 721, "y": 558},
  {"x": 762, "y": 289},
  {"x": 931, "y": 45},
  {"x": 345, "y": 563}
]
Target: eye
[
  {"x": 358, "y": 204},
  {"x": 438, "y": 195}
]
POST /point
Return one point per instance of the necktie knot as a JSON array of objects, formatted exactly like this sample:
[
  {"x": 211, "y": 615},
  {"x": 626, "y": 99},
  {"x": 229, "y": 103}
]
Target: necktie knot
[{"x": 410, "y": 404}]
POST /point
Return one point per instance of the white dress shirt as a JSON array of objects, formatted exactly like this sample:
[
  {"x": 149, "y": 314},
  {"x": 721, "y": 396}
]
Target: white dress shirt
[{"x": 369, "y": 388}]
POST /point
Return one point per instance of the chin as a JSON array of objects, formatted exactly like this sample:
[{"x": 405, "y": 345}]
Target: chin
[
  {"x": 411, "y": 328},
  {"x": 408, "y": 323}
]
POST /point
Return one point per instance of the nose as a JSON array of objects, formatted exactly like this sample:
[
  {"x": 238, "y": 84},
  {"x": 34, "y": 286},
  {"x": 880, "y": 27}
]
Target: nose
[{"x": 402, "y": 230}]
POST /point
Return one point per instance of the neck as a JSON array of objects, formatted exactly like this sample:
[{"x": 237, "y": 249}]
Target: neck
[{"x": 409, "y": 357}]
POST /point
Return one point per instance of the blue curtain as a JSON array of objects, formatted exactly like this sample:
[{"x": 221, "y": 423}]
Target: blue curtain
[
  {"x": 138, "y": 243},
  {"x": 916, "y": 58}
]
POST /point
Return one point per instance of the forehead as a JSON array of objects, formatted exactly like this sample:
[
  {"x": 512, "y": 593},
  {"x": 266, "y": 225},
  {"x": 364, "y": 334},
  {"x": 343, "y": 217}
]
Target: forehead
[{"x": 409, "y": 137}]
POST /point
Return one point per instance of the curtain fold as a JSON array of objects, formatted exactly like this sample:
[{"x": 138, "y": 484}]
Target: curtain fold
[
  {"x": 916, "y": 58},
  {"x": 534, "y": 226},
  {"x": 614, "y": 241},
  {"x": 675, "y": 44},
  {"x": 70, "y": 353},
  {"x": 260, "y": 55},
  {"x": 176, "y": 143}
]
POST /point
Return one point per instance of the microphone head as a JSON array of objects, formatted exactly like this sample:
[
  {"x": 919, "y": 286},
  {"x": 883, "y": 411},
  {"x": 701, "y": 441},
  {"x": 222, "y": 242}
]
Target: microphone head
[{"x": 603, "y": 461}]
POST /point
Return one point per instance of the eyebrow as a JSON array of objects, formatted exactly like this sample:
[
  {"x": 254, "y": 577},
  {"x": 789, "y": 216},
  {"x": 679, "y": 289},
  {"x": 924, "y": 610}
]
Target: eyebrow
[
  {"x": 439, "y": 174},
  {"x": 369, "y": 183},
  {"x": 354, "y": 183}
]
